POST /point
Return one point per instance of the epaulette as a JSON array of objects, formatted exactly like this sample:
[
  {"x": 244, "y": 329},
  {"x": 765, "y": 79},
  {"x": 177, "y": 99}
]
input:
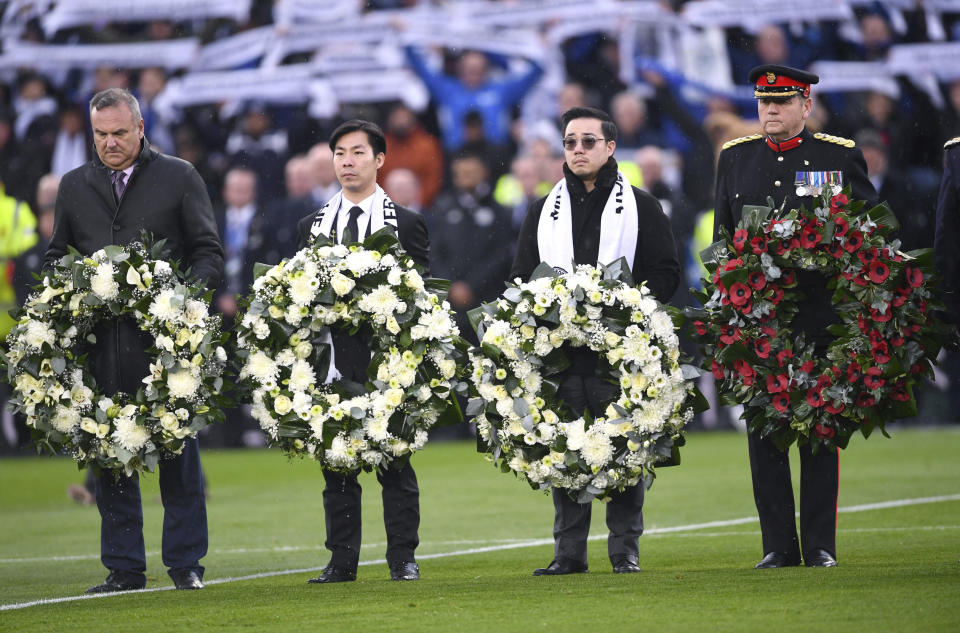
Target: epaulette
[
  {"x": 742, "y": 139},
  {"x": 829, "y": 138},
  {"x": 955, "y": 140}
]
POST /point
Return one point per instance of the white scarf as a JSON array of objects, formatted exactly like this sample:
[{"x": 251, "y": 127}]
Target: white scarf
[
  {"x": 618, "y": 226},
  {"x": 382, "y": 212}
]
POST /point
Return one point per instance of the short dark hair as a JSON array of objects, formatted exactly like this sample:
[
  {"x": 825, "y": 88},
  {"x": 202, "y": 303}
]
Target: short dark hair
[
  {"x": 114, "y": 97},
  {"x": 374, "y": 134},
  {"x": 607, "y": 126}
]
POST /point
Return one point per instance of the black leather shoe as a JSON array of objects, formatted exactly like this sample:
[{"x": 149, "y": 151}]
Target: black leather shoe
[
  {"x": 773, "y": 560},
  {"x": 560, "y": 567},
  {"x": 626, "y": 565},
  {"x": 821, "y": 558},
  {"x": 118, "y": 581},
  {"x": 405, "y": 570},
  {"x": 332, "y": 573},
  {"x": 187, "y": 580}
]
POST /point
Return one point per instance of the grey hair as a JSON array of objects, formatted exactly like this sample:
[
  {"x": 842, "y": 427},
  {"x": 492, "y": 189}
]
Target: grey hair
[{"x": 114, "y": 97}]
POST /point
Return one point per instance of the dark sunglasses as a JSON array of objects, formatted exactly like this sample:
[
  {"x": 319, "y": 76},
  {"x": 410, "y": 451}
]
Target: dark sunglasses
[{"x": 588, "y": 142}]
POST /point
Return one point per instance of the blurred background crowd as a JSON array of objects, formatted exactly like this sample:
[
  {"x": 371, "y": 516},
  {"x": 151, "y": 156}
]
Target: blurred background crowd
[{"x": 468, "y": 93}]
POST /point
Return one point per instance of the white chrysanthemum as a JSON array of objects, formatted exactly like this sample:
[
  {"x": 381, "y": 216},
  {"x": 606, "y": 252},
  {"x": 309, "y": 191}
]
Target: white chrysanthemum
[
  {"x": 359, "y": 262},
  {"x": 376, "y": 428},
  {"x": 575, "y": 434},
  {"x": 340, "y": 452},
  {"x": 130, "y": 435},
  {"x": 647, "y": 419},
  {"x": 103, "y": 284},
  {"x": 37, "y": 333},
  {"x": 301, "y": 375},
  {"x": 183, "y": 384},
  {"x": 302, "y": 403},
  {"x": 194, "y": 313},
  {"x": 162, "y": 306},
  {"x": 162, "y": 269},
  {"x": 65, "y": 419},
  {"x": 302, "y": 290},
  {"x": 261, "y": 367},
  {"x": 597, "y": 449},
  {"x": 381, "y": 300}
]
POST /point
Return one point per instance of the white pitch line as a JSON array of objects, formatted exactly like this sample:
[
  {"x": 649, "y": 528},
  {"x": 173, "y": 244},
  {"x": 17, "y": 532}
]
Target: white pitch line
[{"x": 897, "y": 503}]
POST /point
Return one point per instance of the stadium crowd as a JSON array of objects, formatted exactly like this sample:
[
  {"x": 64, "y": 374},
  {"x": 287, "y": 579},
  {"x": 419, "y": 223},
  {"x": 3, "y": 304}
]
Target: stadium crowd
[{"x": 470, "y": 115}]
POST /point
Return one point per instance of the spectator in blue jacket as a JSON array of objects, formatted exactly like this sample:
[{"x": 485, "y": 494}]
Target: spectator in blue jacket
[{"x": 473, "y": 90}]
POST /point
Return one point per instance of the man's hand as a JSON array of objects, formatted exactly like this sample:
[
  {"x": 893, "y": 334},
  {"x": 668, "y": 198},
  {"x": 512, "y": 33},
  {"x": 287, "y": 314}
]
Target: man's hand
[{"x": 227, "y": 305}]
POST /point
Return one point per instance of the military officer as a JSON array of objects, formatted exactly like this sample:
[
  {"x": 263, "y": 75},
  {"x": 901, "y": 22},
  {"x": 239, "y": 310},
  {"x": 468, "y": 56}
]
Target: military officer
[{"x": 785, "y": 163}]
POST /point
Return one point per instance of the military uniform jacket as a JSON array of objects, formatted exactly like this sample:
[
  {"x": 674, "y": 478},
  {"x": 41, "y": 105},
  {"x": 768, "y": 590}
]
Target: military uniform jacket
[{"x": 751, "y": 169}]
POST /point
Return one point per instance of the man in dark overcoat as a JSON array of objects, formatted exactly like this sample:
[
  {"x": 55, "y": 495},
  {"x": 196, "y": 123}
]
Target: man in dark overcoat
[
  {"x": 358, "y": 210},
  {"x": 783, "y": 163},
  {"x": 128, "y": 188},
  {"x": 591, "y": 192}
]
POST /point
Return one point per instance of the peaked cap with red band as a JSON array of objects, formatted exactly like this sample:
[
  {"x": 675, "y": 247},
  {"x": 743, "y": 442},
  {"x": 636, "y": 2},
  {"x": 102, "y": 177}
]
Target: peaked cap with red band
[{"x": 772, "y": 81}]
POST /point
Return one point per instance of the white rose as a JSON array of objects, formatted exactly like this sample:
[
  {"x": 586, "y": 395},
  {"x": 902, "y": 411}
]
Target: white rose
[
  {"x": 282, "y": 404},
  {"x": 342, "y": 284}
]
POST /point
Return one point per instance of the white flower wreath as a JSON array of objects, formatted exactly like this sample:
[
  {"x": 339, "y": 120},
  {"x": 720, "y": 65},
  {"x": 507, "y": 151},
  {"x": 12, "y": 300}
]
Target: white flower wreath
[
  {"x": 519, "y": 416},
  {"x": 375, "y": 291},
  {"x": 53, "y": 388}
]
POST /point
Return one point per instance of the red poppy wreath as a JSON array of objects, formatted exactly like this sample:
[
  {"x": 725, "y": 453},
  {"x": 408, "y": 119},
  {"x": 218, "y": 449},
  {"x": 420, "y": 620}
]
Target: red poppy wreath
[{"x": 883, "y": 335}]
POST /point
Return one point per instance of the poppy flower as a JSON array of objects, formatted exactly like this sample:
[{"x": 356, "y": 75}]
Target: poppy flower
[
  {"x": 898, "y": 300},
  {"x": 842, "y": 226},
  {"x": 854, "y": 242},
  {"x": 768, "y": 331},
  {"x": 881, "y": 317},
  {"x": 758, "y": 245},
  {"x": 865, "y": 400},
  {"x": 756, "y": 280},
  {"x": 814, "y": 397},
  {"x": 729, "y": 334},
  {"x": 781, "y": 402},
  {"x": 701, "y": 327},
  {"x": 777, "y": 295},
  {"x": 878, "y": 272},
  {"x": 747, "y": 373},
  {"x": 873, "y": 378},
  {"x": 862, "y": 323},
  {"x": 897, "y": 341},
  {"x": 788, "y": 278},
  {"x": 900, "y": 393},
  {"x": 824, "y": 432},
  {"x": 739, "y": 239},
  {"x": 868, "y": 255},
  {"x": 740, "y": 293},
  {"x": 717, "y": 370},
  {"x": 746, "y": 308},
  {"x": 881, "y": 353},
  {"x": 732, "y": 264},
  {"x": 783, "y": 356},
  {"x": 809, "y": 237},
  {"x": 807, "y": 367},
  {"x": 838, "y": 201},
  {"x": 777, "y": 383},
  {"x": 834, "y": 409},
  {"x": 875, "y": 337},
  {"x": 914, "y": 277},
  {"x": 836, "y": 251},
  {"x": 853, "y": 372}
]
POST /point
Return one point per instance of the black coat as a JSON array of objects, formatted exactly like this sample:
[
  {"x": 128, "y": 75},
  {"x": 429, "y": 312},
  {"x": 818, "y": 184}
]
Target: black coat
[
  {"x": 655, "y": 259},
  {"x": 166, "y": 197},
  {"x": 948, "y": 229},
  {"x": 749, "y": 171},
  {"x": 352, "y": 356}
]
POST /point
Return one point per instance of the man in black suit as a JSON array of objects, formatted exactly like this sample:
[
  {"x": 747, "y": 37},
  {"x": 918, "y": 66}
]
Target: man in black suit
[
  {"x": 360, "y": 209},
  {"x": 591, "y": 195},
  {"x": 777, "y": 164},
  {"x": 125, "y": 189}
]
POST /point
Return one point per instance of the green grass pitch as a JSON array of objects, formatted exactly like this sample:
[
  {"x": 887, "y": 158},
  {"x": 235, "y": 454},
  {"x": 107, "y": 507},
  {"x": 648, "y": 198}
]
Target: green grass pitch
[{"x": 482, "y": 533}]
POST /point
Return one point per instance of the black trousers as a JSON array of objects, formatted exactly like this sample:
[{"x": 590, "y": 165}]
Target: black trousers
[
  {"x": 773, "y": 493},
  {"x": 184, "y": 517},
  {"x": 571, "y": 523},
  {"x": 401, "y": 515}
]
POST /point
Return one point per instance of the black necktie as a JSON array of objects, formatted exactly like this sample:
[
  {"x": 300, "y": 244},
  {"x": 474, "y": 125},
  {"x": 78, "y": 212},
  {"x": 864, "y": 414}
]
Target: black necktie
[
  {"x": 352, "y": 233},
  {"x": 118, "y": 183}
]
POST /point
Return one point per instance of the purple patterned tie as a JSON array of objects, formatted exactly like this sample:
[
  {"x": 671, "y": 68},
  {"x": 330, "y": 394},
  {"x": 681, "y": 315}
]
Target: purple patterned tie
[{"x": 119, "y": 185}]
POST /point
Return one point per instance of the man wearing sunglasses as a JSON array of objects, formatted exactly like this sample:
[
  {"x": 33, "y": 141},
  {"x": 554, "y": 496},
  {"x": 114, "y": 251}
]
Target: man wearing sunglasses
[
  {"x": 786, "y": 163},
  {"x": 593, "y": 216}
]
